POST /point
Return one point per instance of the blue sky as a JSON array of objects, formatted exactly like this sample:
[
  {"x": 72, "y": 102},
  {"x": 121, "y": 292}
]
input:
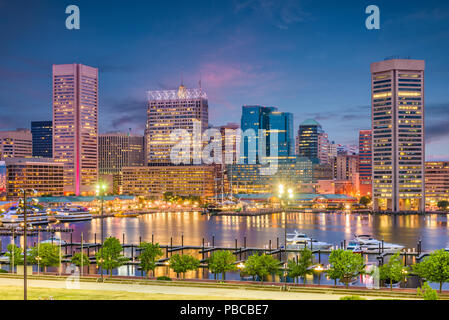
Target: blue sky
[{"x": 307, "y": 57}]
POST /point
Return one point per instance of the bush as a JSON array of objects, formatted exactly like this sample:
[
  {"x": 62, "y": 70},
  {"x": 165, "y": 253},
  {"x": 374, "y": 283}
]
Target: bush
[
  {"x": 427, "y": 293},
  {"x": 163, "y": 278},
  {"x": 3, "y": 271},
  {"x": 352, "y": 298}
]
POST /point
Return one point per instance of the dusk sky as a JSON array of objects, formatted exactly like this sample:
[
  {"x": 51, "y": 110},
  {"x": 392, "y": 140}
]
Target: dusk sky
[{"x": 308, "y": 57}]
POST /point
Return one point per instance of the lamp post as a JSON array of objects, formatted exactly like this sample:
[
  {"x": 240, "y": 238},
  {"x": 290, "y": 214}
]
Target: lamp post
[
  {"x": 25, "y": 245},
  {"x": 281, "y": 193},
  {"x": 101, "y": 188}
]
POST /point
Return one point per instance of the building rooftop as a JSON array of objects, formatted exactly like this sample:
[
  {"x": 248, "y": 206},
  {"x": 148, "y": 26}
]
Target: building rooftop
[
  {"x": 310, "y": 122},
  {"x": 181, "y": 93}
]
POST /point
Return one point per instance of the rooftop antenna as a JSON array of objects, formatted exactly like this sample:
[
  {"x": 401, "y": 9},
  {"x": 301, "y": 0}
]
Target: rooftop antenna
[
  {"x": 200, "y": 82},
  {"x": 182, "y": 79}
]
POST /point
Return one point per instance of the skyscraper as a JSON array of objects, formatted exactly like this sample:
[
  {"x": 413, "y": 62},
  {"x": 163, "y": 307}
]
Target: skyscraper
[
  {"x": 170, "y": 110},
  {"x": 365, "y": 159},
  {"x": 254, "y": 118},
  {"x": 42, "y": 132},
  {"x": 117, "y": 150},
  {"x": 398, "y": 135},
  {"x": 273, "y": 122},
  {"x": 281, "y": 123},
  {"x": 312, "y": 142},
  {"x": 75, "y": 125}
]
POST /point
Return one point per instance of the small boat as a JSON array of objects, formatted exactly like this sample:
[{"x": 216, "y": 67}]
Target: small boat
[
  {"x": 354, "y": 246},
  {"x": 126, "y": 215},
  {"x": 55, "y": 240},
  {"x": 73, "y": 214},
  {"x": 369, "y": 244},
  {"x": 300, "y": 241}
]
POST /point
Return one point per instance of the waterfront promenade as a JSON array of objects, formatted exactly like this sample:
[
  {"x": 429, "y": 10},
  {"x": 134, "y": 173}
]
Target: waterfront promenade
[{"x": 154, "y": 291}]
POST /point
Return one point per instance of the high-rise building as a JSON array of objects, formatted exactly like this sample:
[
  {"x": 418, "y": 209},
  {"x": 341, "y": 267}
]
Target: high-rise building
[
  {"x": 312, "y": 142},
  {"x": 117, "y": 150},
  {"x": 42, "y": 132},
  {"x": 75, "y": 125},
  {"x": 228, "y": 141},
  {"x": 365, "y": 159},
  {"x": 274, "y": 123},
  {"x": 346, "y": 169},
  {"x": 16, "y": 144},
  {"x": 437, "y": 183},
  {"x": 398, "y": 135},
  {"x": 170, "y": 110},
  {"x": 254, "y": 118}
]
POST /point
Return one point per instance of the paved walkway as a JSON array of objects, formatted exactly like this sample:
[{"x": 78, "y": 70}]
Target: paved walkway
[{"x": 181, "y": 290}]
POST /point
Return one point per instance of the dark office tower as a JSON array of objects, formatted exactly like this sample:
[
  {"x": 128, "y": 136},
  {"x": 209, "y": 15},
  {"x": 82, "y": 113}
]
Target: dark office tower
[
  {"x": 312, "y": 141},
  {"x": 255, "y": 118},
  {"x": 282, "y": 124},
  {"x": 42, "y": 132}
]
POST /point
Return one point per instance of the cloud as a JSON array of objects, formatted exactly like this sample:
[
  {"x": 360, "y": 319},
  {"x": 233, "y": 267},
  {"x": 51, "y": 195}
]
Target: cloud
[
  {"x": 127, "y": 113},
  {"x": 281, "y": 13}
]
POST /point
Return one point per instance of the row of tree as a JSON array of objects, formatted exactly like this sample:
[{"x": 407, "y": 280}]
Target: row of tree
[{"x": 344, "y": 265}]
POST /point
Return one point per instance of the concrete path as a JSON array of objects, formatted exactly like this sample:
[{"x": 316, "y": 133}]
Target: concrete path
[{"x": 181, "y": 290}]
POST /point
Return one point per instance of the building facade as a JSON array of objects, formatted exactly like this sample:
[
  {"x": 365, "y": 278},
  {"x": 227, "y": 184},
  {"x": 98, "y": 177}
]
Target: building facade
[
  {"x": 117, "y": 150},
  {"x": 398, "y": 135},
  {"x": 312, "y": 142},
  {"x": 43, "y": 175},
  {"x": 75, "y": 126},
  {"x": 437, "y": 183},
  {"x": 154, "y": 181},
  {"x": 16, "y": 144},
  {"x": 296, "y": 173},
  {"x": 42, "y": 132},
  {"x": 365, "y": 162},
  {"x": 172, "y": 110}
]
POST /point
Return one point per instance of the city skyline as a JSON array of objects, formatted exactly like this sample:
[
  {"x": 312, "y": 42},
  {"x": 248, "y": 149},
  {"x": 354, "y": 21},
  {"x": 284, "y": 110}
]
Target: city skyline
[{"x": 233, "y": 60}]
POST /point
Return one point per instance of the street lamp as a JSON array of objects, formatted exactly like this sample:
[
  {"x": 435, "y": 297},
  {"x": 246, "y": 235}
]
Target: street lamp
[
  {"x": 281, "y": 192},
  {"x": 318, "y": 269},
  {"x": 25, "y": 247},
  {"x": 101, "y": 188}
]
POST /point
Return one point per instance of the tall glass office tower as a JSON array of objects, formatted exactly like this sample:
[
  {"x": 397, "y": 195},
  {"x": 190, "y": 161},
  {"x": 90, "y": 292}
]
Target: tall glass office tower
[
  {"x": 312, "y": 141},
  {"x": 268, "y": 119},
  {"x": 42, "y": 132},
  {"x": 75, "y": 125},
  {"x": 397, "y": 87}
]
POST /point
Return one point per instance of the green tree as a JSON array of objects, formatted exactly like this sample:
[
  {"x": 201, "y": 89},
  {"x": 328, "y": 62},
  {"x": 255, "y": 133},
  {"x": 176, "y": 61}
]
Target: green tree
[
  {"x": 148, "y": 255},
  {"x": 365, "y": 200},
  {"x": 183, "y": 263},
  {"x": 15, "y": 255},
  {"x": 48, "y": 255},
  {"x": 344, "y": 266},
  {"x": 301, "y": 267},
  {"x": 394, "y": 270},
  {"x": 222, "y": 262},
  {"x": 443, "y": 205},
  {"x": 261, "y": 266},
  {"x": 427, "y": 293},
  {"x": 434, "y": 268},
  {"x": 110, "y": 255},
  {"x": 80, "y": 259}
]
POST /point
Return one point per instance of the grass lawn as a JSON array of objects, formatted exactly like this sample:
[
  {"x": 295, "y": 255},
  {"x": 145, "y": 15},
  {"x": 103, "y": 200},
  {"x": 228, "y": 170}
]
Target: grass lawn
[{"x": 16, "y": 293}]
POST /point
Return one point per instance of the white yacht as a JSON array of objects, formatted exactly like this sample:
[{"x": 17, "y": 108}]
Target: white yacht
[
  {"x": 300, "y": 240},
  {"x": 72, "y": 214},
  {"x": 15, "y": 218},
  {"x": 368, "y": 244}
]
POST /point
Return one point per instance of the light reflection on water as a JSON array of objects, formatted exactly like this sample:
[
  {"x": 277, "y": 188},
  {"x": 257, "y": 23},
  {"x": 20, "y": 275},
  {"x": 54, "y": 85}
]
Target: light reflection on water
[{"x": 405, "y": 230}]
